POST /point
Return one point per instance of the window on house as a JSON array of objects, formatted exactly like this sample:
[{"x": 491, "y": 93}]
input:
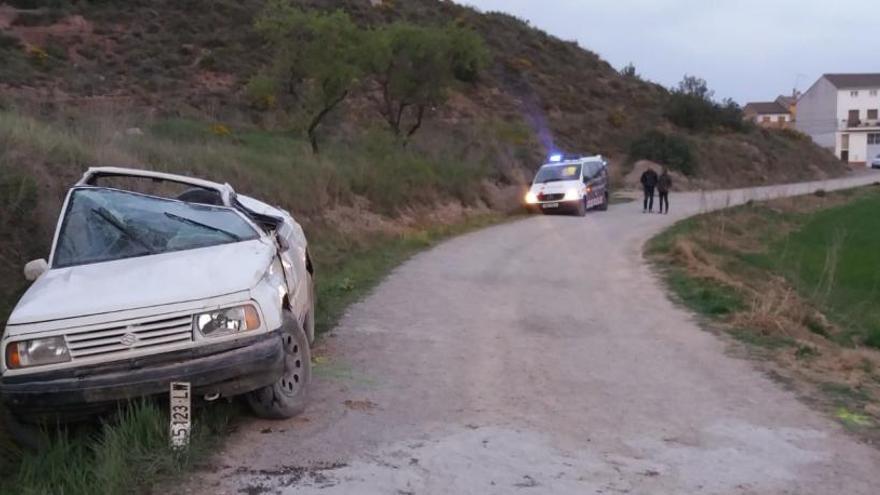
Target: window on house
[
  {"x": 853, "y": 117},
  {"x": 854, "y": 94},
  {"x": 874, "y": 138},
  {"x": 873, "y": 92},
  {"x": 781, "y": 118},
  {"x": 765, "y": 118},
  {"x": 872, "y": 114}
]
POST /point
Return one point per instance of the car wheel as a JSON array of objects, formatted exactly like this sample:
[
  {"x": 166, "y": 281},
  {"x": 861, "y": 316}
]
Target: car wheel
[
  {"x": 582, "y": 207},
  {"x": 287, "y": 397},
  {"x": 605, "y": 201}
]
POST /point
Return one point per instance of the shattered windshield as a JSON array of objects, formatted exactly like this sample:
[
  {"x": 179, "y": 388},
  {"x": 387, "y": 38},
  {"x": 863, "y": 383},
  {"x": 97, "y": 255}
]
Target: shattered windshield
[
  {"x": 107, "y": 224},
  {"x": 552, "y": 173}
]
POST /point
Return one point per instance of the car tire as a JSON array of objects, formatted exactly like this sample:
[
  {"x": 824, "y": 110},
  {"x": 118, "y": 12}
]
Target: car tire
[
  {"x": 582, "y": 207},
  {"x": 605, "y": 201},
  {"x": 288, "y": 396}
]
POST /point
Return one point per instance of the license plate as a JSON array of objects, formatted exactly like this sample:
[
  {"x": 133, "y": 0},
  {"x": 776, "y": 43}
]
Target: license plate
[
  {"x": 550, "y": 205},
  {"x": 181, "y": 407}
]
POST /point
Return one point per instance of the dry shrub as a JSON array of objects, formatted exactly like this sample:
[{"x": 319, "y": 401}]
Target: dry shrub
[
  {"x": 700, "y": 263},
  {"x": 775, "y": 308}
]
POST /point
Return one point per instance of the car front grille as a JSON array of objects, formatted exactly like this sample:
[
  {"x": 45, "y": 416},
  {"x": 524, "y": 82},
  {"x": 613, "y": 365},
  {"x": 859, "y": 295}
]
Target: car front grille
[
  {"x": 550, "y": 197},
  {"x": 123, "y": 337}
]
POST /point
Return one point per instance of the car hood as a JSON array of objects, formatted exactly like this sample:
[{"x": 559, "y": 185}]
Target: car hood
[
  {"x": 144, "y": 281},
  {"x": 558, "y": 187}
]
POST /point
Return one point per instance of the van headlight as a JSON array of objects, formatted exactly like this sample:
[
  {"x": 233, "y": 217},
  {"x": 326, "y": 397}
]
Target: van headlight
[
  {"x": 36, "y": 352},
  {"x": 228, "y": 321},
  {"x": 572, "y": 194},
  {"x": 531, "y": 198}
]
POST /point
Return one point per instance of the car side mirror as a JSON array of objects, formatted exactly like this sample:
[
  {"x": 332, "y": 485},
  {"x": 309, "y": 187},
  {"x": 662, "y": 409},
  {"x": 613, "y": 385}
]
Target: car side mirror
[{"x": 34, "y": 269}]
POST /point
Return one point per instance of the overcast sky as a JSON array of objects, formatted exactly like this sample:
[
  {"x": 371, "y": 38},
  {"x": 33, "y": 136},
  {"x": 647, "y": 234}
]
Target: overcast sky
[{"x": 750, "y": 50}]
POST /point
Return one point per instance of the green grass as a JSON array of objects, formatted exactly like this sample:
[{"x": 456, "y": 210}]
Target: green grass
[
  {"x": 829, "y": 255},
  {"x": 833, "y": 259},
  {"x": 704, "y": 296},
  {"x": 127, "y": 452}
]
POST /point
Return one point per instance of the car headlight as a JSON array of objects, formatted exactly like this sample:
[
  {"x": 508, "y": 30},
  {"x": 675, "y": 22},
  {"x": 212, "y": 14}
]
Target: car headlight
[
  {"x": 531, "y": 198},
  {"x": 572, "y": 194},
  {"x": 228, "y": 321},
  {"x": 36, "y": 352}
]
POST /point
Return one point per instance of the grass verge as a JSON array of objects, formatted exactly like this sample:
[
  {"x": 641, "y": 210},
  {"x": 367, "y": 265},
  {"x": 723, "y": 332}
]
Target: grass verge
[{"x": 793, "y": 281}]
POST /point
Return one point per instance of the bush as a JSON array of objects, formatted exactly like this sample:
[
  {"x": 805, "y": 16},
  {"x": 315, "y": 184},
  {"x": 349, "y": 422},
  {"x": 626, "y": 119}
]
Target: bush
[
  {"x": 617, "y": 118},
  {"x": 794, "y": 134},
  {"x": 691, "y": 107},
  {"x": 468, "y": 53},
  {"x": 670, "y": 150}
]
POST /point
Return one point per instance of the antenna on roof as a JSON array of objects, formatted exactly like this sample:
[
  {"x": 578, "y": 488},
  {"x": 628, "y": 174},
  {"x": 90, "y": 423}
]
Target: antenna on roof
[{"x": 797, "y": 80}]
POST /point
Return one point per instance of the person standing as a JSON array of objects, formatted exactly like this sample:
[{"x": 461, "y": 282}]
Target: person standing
[
  {"x": 664, "y": 184},
  {"x": 649, "y": 182}
]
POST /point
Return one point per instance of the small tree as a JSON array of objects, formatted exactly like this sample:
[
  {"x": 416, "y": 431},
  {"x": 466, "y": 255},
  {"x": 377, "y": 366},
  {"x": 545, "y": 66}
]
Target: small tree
[
  {"x": 696, "y": 87},
  {"x": 316, "y": 58},
  {"x": 414, "y": 66},
  {"x": 691, "y": 106}
]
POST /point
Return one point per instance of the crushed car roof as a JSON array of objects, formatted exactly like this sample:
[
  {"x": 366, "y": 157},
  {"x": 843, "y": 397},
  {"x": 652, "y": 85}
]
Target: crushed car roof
[
  {"x": 225, "y": 190},
  {"x": 94, "y": 172}
]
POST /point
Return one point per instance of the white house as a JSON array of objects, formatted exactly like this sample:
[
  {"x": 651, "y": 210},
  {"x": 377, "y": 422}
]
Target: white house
[
  {"x": 768, "y": 114},
  {"x": 840, "y": 112}
]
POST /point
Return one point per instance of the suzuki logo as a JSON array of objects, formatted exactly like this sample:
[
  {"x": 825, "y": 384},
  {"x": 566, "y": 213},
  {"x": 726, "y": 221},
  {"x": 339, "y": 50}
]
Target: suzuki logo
[{"x": 129, "y": 339}]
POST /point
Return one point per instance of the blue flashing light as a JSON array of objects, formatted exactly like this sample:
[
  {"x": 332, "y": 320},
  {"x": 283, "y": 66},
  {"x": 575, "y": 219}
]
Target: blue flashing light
[{"x": 555, "y": 158}]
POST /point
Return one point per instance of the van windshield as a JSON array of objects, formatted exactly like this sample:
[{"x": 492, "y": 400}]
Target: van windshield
[
  {"x": 553, "y": 173},
  {"x": 107, "y": 224}
]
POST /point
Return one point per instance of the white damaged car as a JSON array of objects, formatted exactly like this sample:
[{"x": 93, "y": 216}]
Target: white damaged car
[{"x": 186, "y": 282}]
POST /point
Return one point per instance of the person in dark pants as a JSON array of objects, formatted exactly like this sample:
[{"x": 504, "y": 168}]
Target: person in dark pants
[
  {"x": 649, "y": 182},
  {"x": 664, "y": 184}
]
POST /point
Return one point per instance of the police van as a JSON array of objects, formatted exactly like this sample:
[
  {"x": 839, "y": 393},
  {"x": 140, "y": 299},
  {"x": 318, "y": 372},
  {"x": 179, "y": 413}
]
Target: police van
[{"x": 570, "y": 184}]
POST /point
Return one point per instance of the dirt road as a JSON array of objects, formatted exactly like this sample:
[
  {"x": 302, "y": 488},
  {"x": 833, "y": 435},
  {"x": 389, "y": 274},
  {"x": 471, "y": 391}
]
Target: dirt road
[{"x": 543, "y": 356}]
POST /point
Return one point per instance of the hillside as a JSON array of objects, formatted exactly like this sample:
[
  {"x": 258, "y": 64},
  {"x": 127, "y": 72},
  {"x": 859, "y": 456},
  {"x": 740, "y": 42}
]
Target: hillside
[
  {"x": 194, "y": 58},
  {"x": 161, "y": 83}
]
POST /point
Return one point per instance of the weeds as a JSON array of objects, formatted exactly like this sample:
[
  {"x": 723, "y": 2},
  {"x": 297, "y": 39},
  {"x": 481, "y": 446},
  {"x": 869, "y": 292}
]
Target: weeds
[{"x": 127, "y": 452}]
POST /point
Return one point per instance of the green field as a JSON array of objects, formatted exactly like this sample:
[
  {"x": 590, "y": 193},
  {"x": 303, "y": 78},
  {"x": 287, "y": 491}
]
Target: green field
[{"x": 834, "y": 260}]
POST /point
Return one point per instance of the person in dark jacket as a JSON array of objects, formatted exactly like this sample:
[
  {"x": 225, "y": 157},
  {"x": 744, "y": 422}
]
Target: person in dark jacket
[
  {"x": 649, "y": 182},
  {"x": 664, "y": 184}
]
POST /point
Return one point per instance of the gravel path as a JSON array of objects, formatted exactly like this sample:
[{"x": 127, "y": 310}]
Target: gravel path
[{"x": 544, "y": 356}]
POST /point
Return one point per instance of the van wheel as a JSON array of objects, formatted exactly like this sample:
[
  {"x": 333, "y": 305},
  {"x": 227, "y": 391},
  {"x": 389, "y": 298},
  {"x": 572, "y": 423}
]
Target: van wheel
[
  {"x": 605, "y": 202},
  {"x": 288, "y": 396},
  {"x": 582, "y": 207}
]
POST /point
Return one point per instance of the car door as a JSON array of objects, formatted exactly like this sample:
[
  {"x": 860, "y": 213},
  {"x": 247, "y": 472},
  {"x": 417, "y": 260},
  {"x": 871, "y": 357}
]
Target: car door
[{"x": 595, "y": 184}]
